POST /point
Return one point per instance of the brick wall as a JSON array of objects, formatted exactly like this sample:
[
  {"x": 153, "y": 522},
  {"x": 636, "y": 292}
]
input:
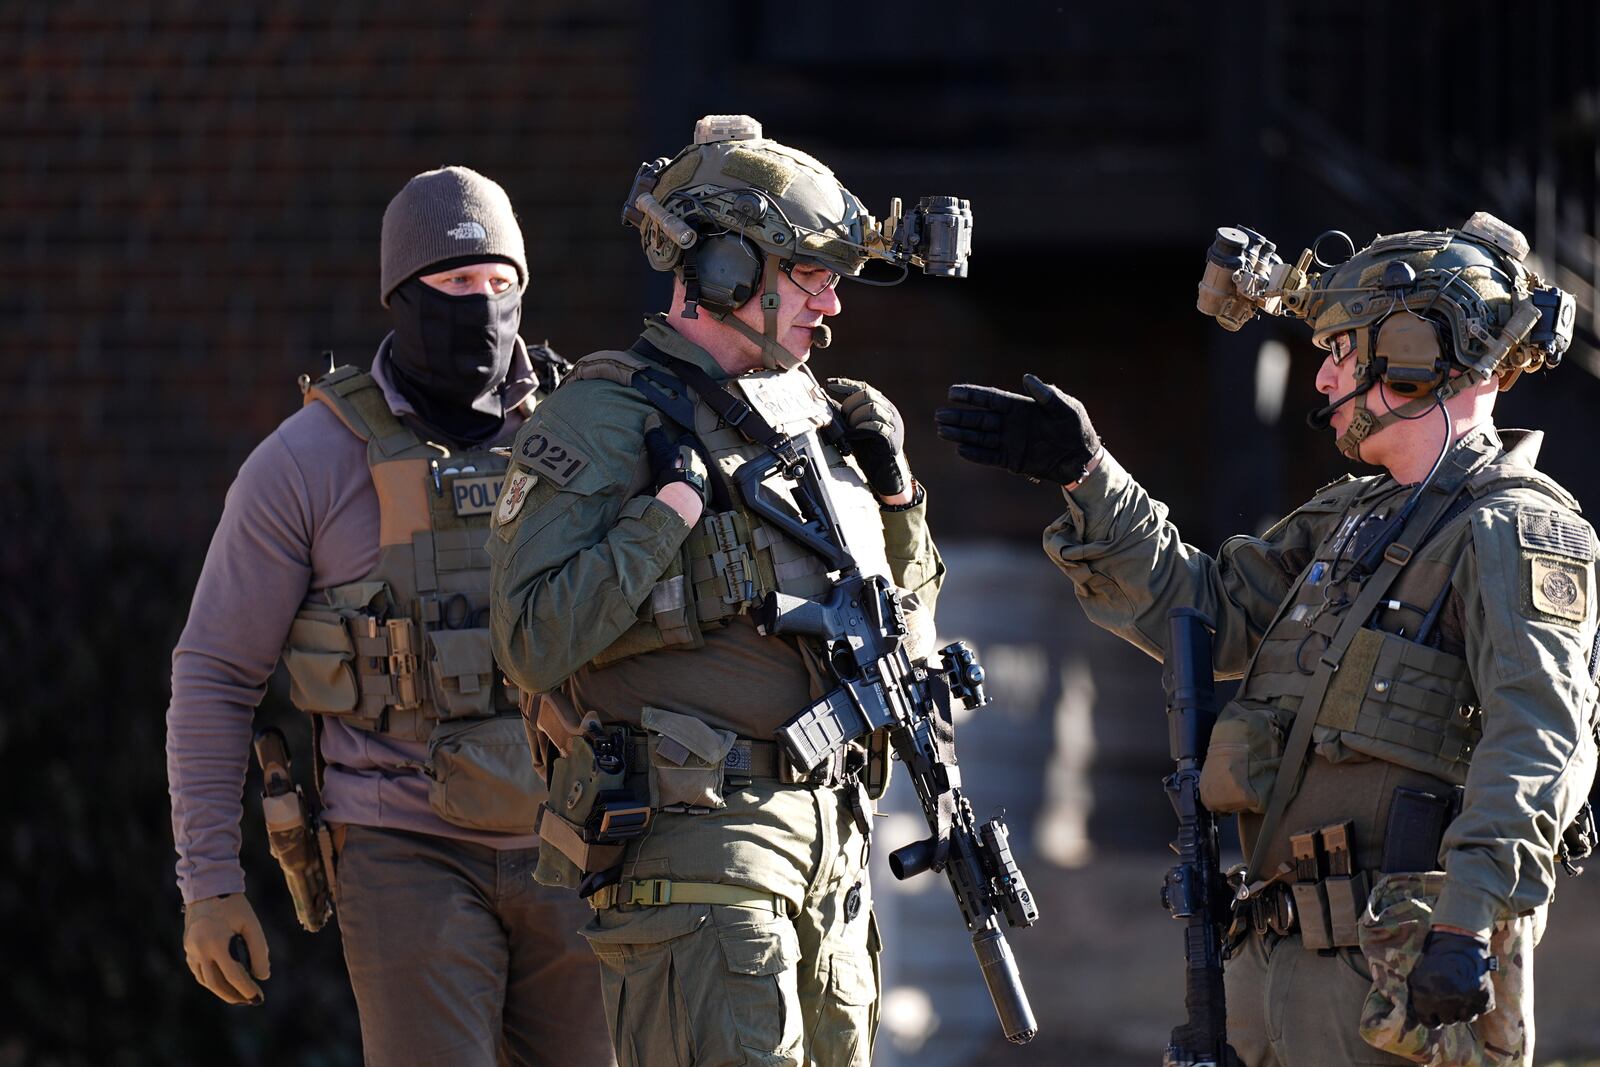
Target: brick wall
[{"x": 191, "y": 202}]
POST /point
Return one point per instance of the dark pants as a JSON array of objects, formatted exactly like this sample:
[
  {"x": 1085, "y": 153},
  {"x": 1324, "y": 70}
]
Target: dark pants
[{"x": 458, "y": 957}]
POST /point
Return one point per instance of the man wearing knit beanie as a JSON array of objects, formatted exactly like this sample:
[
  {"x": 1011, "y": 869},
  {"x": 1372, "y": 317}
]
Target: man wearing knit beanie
[{"x": 351, "y": 548}]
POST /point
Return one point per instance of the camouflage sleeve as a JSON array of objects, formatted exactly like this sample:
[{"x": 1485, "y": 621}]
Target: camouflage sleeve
[
  {"x": 914, "y": 561},
  {"x": 578, "y": 541},
  {"x": 1130, "y": 568},
  {"x": 1529, "y": 605}
]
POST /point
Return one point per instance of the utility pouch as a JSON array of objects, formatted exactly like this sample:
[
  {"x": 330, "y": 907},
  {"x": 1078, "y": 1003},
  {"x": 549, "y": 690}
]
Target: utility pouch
[
  {"x": 341, "y": 656},
  {"x": 589, "y": 815},
  {"x": 1393, "y": 930},
  {"x": 461, "y": 672},
  {"x": 480, "y": 775},
  {"x": 319, "y": 656},
  {"x": 1345, "y": 889},
  {"x": 1242, "y": 759},
  {"x": 1417, "y": 820},
  {"x": 686, "y": 760},
  {"x": 1310, "y": 905}
]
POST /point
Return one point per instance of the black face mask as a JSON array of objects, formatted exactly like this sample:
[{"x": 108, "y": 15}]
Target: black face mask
[{"x": 450, "y": 355}]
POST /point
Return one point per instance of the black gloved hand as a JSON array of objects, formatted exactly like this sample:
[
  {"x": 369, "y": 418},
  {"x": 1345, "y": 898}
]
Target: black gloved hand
[
  {"x": 876, "y": 433},
  {"x": 1046, "y": 435},
  {"x": 1450, "y": 981},
  {"x": 674, "y": 460}
]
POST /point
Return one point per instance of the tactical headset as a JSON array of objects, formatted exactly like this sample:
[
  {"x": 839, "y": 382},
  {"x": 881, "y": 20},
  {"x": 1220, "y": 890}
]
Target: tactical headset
[{"x": 732, "y": 204}]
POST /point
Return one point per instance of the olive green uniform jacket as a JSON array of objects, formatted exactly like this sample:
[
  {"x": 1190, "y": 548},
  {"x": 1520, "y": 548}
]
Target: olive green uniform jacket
[
  {"x": 1530, "y": 668},
  {"x": 574, "y": 566}
]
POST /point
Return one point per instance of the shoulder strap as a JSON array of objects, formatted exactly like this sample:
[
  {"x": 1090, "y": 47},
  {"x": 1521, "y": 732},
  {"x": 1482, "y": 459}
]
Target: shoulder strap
[
  {"x": 355, "y": 399},
  {"x": 729, "y": 408},
  {"x": 816, "y": 526},
  {"x": 1395, "y": 556}
]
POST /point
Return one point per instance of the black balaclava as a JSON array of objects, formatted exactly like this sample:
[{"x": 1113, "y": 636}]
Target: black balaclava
[{"x": 451, "y": 354}]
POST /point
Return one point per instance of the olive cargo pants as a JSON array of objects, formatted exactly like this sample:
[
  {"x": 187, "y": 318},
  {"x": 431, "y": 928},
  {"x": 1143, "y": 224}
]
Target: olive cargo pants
[
  {"x": 458, "y": 957},
  {"x": 707, "y": 985},
  {"x": 1289, "y": 1007}
]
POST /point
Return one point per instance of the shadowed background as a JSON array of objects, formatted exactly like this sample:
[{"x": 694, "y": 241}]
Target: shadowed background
[{"x": 190, "y": 197}]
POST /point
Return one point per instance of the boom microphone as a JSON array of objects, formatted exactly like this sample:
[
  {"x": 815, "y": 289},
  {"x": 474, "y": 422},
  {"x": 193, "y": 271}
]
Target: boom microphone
[{"x": 1322, "y": 417}]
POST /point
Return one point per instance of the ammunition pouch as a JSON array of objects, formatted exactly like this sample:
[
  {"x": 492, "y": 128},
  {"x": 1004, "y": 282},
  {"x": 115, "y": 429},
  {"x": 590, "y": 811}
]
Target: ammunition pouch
[
  {"x": 345, "y": 659},
  {"x": 480, "y": 775},
  {"x": 1394, "y": 929},
  {"x": 1415, "y": 831}
]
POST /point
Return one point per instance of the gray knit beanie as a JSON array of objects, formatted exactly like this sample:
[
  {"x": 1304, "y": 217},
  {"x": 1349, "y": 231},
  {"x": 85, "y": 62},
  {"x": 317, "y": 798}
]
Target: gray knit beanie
[{"x": 445, "y": 214}]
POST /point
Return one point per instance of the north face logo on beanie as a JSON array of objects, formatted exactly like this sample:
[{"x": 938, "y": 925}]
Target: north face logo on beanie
[{"x": 446, "y": 214}]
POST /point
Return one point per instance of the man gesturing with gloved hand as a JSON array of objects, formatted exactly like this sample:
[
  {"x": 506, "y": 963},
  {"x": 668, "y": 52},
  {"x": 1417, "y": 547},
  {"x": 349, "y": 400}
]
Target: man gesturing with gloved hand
[
  {"x": 1410, "y": 739},
  {"x": 1046, "y": 435}
]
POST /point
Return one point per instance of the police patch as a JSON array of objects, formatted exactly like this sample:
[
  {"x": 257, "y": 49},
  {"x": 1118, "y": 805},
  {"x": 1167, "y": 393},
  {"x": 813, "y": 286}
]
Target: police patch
[
  {"x": 547, "y": 454},
  {"x": 1558, "y": 588},
  {"x": 515, "y": 495},
  {"x": 1551, "y": 531},
  {"x": 475, "y": 496}
]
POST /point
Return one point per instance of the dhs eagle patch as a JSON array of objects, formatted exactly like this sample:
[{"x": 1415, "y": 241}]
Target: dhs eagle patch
[{"x": 1558, "y": 588}]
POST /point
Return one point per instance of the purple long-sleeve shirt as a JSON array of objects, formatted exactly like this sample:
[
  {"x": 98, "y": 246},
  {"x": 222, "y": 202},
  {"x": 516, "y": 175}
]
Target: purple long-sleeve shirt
[{"x": 301, "y": 516}]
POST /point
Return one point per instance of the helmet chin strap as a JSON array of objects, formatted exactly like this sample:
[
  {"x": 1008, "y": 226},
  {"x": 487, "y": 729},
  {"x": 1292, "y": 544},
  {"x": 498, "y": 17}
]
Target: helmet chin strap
[
  {"x": 773, "y": 355},
  {"x": 1364, "y": 422}
]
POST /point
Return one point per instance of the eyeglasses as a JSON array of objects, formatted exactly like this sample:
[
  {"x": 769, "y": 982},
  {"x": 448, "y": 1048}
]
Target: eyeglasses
[
  {"x": 810, "y": 278},
  {"x": 1342, "y": 346}
]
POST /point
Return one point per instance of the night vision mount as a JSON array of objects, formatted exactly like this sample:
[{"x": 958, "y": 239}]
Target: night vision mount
[{"x": 1474, "y": 278}]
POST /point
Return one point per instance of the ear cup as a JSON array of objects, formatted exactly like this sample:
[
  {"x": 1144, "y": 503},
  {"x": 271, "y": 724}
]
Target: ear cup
[
  {"x": 729, "y": 270},
  {"x": 1409, "y": 348}
]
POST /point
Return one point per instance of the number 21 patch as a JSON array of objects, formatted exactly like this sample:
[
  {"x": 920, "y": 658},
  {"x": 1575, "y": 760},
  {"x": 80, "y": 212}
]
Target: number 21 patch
[{"x": 550, "y": 456}]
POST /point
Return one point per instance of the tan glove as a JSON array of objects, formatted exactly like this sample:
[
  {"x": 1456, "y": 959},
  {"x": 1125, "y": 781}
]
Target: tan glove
[{"x": 209, "y": 926}]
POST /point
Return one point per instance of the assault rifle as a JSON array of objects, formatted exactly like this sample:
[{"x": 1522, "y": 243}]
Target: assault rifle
[
  {"x": 862, "y": 629},
  {"x": 1195, "y": 890}
]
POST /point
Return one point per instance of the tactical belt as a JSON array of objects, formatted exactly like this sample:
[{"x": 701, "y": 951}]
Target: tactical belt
[
  {"x": 658, "y": 892},
  {"x": 752, "y": 759}
]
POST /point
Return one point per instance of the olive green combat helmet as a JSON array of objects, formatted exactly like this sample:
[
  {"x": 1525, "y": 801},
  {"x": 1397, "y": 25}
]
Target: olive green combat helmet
[
  {"x": 734, "y": 207},
  {"x": 1427, "y": 312}
]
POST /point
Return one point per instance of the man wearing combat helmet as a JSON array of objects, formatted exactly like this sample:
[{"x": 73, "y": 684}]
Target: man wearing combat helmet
[
  {"x": 1412, "y": 741},
  {"x": 654, "y": 503},
  {"x": 350, "y": 547}
]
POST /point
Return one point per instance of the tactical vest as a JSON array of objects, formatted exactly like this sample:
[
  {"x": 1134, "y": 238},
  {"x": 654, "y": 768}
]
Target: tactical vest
[
  {"x": 1393, "y": 699},
  {"x": 733, "y": 558},
  {"x": 407, "y": 646}
]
